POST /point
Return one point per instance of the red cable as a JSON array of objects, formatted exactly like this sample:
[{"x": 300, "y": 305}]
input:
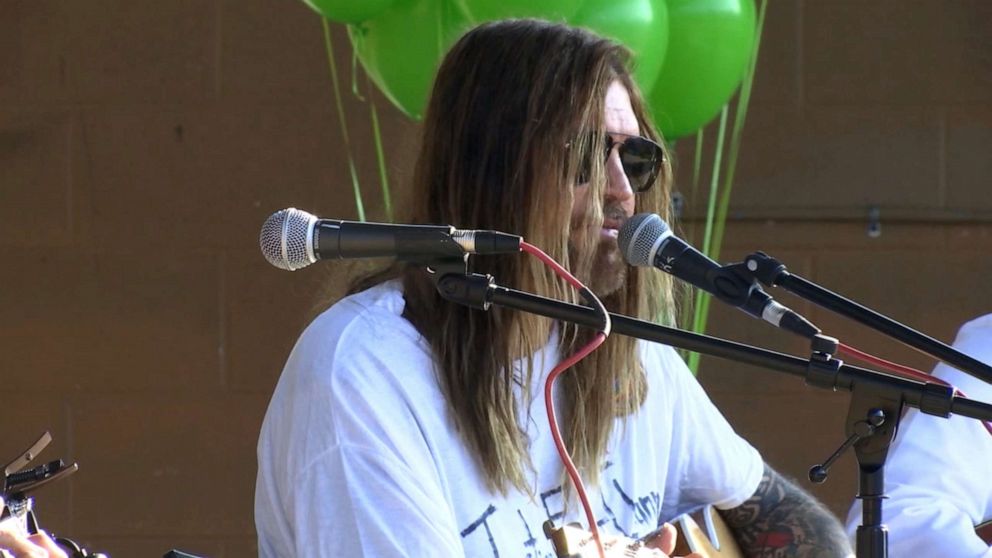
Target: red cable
[
  {"x": 888, "y": 365},
  {"x": 902, "y": 370},
  {"x": 549, "y": 403}
]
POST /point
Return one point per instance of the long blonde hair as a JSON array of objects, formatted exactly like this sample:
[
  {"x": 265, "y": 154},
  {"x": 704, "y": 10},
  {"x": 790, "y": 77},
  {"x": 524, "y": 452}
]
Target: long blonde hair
[{"x": 502, "y": 143}]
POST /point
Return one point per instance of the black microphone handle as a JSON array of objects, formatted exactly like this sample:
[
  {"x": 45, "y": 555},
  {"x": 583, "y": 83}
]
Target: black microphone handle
[
  {"x": 678, "y": 258},
  {"x": 675, "y": 256},
  {"x": 355, "y": 239}
]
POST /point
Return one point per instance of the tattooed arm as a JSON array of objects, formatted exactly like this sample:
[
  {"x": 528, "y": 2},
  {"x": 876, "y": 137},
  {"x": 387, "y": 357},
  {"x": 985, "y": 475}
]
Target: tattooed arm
[{"x": 782, "y": 520}]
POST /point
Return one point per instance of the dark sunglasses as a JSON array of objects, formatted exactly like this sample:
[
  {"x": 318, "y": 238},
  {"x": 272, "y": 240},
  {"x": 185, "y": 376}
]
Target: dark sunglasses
[{"x": 640, "y": 158}]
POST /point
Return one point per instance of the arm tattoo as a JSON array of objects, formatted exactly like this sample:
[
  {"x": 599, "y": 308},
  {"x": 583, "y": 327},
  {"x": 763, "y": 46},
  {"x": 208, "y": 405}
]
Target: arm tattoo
[{"x": 781, "y": 520}]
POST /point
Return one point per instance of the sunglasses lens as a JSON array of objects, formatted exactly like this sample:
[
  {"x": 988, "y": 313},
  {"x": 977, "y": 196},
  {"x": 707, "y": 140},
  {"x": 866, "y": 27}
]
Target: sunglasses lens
[{"x": 641, "y": 158}]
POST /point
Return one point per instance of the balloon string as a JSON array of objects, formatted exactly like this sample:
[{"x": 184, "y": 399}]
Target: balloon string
[
  {"x": 740, "y": 115},
  {"x": 354, "y": 70},
  {"x": 387, "y": 198},
  {"x": 701, "y": 305},
  {"x": 713, "y": 238},
  {"x": 359, "y": 205}
]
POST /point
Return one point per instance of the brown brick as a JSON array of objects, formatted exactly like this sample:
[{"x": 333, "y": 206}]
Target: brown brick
[
  {"x": 857, "y": 157},
  {"x": 36, "y": 177},
  {"x": 810, "y": 236},
  {"x": 110, "y": 323},
  {"x": 827, "y": 162},
  {"x": 267, "y": 309},
  {"x": 973, "y": 237},
  {"x": 778, "y": 78},
  {"x": 124, "y": 52},
  {"x": 212, "y": 175},
  {"x": 773, "y": 165},
  {"x": 771, "y": 160},
  {"x": 32, "y": 52},
  {"x": 190, "y": 457},
  {"x": 892, "y": 52},
  {"x": 969, "y": 168},
  {"x": 239, "y": 549},
  {"x": 278, "y": 59}
]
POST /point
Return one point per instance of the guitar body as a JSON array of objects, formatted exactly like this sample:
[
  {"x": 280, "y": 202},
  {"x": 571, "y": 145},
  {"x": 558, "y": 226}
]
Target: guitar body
[
  {"x": 706, "y": 533},
  {"x": 984, "y": 531},
  {"x": 703, "y": 532}
]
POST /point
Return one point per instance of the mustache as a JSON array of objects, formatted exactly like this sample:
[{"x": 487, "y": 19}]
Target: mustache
[{"x": 614, "y": 212}]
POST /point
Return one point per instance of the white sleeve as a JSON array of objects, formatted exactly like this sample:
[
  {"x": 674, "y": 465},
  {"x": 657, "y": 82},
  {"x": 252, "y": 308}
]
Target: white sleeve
[
  {"x": 344, "y": 468},
  {"x": 713, "y": 464},
  {"x": 359, "y": 503},
  {"x": 937, "y": 473}
]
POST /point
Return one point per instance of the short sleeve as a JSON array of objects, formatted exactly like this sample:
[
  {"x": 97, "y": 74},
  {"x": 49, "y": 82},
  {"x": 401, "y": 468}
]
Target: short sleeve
[
  {"x": 712, "y": 463},
  {"x": 356, "y": 502}
]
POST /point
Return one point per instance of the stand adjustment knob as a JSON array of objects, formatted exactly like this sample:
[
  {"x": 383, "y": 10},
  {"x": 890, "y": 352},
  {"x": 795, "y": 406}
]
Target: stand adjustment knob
[{"x": 862, "y": 429}]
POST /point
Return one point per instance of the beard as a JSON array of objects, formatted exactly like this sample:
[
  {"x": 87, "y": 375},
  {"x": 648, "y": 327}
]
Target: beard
[{"x": 608, "y": 270}]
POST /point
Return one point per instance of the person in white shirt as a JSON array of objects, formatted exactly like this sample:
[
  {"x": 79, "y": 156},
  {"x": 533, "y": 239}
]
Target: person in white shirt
[
  {"x": 937, "y": 476},
  {"x": 406, "y": 425}
]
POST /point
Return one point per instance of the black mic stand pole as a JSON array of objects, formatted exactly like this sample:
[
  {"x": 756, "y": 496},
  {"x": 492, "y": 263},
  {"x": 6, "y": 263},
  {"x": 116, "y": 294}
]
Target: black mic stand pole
[
  {"x": 876, "y": 402},
  {"x": 773, "y": 273},
  {"x": 868, "y": 443}
]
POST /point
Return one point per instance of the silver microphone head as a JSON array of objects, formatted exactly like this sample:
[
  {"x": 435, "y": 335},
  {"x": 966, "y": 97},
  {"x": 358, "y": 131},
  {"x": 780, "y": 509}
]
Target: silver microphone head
[
  {"x": 287, "y": 239},
  {"x": 640, "y": 237}
]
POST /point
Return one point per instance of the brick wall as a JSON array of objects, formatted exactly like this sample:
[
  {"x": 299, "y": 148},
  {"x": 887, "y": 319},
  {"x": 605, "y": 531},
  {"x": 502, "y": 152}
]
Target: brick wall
[{"x": 142, "y": 144}]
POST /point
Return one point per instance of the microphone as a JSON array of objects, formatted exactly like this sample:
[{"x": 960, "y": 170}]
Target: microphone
[
  {"x": 646, "y": 240},
  {"x": 292, "y": 239}
]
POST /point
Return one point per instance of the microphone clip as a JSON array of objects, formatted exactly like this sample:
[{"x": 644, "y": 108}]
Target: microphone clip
[
  {"x": 765, "y": 269},
  {"x": 454, "y": 283},
  {"x": 736, "y": 285}
]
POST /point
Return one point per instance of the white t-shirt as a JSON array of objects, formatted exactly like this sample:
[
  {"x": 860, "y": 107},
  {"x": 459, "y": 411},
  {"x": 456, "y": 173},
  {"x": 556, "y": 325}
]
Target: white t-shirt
[
  {"x": 938, "y": 472},
  {"x": 358, "y": 454}
]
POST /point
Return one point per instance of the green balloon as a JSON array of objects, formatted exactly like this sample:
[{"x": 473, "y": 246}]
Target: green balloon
[
  {"x": 403, "y": 47},
  {"x": 349, "y": 11},
  {"x": 709, "y": 46},
  {"x": 489, "y": 10},
  {"x": 640, "y": 25}
]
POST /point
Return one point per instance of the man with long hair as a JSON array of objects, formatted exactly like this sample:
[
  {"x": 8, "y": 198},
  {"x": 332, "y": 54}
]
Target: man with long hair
[{"x": 406, "y": 425}]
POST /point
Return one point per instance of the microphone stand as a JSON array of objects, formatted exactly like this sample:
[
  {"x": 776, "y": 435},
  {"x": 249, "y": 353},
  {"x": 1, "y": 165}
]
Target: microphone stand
[
  {"x": 773, "y": 273},
  {"x": 871, "y": 454},
  {"x": 877, "y": 398}
]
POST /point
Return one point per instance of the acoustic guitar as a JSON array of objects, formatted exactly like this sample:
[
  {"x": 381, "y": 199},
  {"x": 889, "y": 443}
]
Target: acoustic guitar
[
  {"x": 984, "y": 531},
  {"x": 711, "y": 540},
  {"x": 703, "y": 532}
]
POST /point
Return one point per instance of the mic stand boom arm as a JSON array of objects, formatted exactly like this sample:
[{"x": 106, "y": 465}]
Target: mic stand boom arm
[
  {"x": 876, "y": 403},
  {"x": 773, "y": 273},
  {"x": 479, "y": 291}
]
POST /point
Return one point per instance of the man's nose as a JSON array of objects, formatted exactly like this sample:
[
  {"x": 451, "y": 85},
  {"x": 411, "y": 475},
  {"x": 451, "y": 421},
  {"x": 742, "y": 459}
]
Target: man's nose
[{"x": 617, "y": 183}]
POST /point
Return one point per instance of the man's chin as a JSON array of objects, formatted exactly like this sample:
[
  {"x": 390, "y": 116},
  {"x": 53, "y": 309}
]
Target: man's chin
[{"x": 609, "y": 271}]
